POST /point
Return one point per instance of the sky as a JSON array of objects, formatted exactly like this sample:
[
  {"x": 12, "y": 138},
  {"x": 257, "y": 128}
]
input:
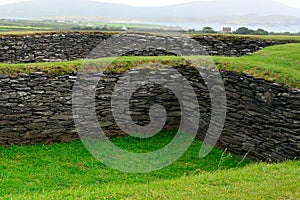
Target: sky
[{"x": 293, "y": 3}]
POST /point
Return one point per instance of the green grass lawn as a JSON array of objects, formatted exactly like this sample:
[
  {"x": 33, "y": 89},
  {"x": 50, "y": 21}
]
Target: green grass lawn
[
  {"x": 279, "y": 64},
  {"x": 68, "y": 171}
]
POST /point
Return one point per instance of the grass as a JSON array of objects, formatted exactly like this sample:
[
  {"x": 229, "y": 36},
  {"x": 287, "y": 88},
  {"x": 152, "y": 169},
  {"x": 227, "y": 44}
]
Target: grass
[
  {"x": 23, "y": 28},
  {"x": 52, "y": 168},
  {"x": 276, "y": 37},
  {"x": 48, "y": 68},
  {"x": 252, "y": 182},
  {"x": 295, "y": 38},
  {"x": 280, "y": 64},
  {"x": 45, "y": 32},
  {"x": 68, "y": 171},
  {"x": 116, "y": 64}
]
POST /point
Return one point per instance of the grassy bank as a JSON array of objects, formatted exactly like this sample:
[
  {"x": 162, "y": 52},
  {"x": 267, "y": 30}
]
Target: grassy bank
[{"x": 280, "y": 64}]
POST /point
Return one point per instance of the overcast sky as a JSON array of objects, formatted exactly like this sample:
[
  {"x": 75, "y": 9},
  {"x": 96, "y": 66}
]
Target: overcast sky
[{"x": 294, "y": 3}]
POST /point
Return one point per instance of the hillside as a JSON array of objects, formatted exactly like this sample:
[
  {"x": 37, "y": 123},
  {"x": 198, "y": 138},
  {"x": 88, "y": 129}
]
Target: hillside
[{"x": 199, "y": 11}]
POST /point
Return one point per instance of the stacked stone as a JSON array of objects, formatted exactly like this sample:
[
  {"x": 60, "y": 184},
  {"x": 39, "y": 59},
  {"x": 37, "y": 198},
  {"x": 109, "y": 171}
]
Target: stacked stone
[
  {"x": 73, "y": 46},
  {"x": 262, "y": 117}
]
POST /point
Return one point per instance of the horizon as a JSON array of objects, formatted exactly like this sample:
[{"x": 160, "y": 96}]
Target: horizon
[
  {"x": 248, "y": 14},
  {"x": 157, "y": 3}
]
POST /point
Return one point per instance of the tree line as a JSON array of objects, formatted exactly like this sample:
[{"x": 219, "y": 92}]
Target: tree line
[{"x": 241, "y": 31}]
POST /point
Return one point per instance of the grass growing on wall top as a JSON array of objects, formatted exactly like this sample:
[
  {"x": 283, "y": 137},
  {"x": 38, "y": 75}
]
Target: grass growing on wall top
[
  {"x": 279, "y": 64},
  {"x": 121, "y": 64},
  {"x": 43, "y": 30},
  {"x": 295, "y": 38}
]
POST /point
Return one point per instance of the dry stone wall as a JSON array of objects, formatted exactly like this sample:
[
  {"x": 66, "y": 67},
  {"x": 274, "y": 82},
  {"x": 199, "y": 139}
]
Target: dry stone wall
[
  {"x": 262, "y": 117},
  {"x": 72, "y": 46}
]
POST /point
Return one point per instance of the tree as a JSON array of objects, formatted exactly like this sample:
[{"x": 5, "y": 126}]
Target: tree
[
  {"x": 261, "y": 32},
  {"x": 208, "y": 29},
  {"x": 244, "y": 31},
  {"x": 191, "y": 30}
]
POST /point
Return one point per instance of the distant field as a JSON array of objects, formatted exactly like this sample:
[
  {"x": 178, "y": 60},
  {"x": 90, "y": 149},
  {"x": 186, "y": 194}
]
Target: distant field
[
  {"x": 128, "y": 25},
  {"x": 43, "y": 32},
  {"x": 35, "y": 25},
  {"x": 28, "y": 25},
  {"x": 20, "y": 28}
]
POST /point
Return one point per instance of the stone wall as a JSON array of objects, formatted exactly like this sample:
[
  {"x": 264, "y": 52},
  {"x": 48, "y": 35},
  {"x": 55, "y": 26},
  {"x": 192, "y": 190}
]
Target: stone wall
[
  {"x": 48, "y": 47},
  {"x": 235, "y": 46},
  {"x": 262, "y": 117},
  {"x": 72, "y": 46}
]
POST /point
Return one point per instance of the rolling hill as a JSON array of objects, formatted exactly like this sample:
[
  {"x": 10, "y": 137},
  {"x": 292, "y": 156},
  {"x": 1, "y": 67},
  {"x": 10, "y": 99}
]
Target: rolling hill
[{"x": 255, "y": 11}]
